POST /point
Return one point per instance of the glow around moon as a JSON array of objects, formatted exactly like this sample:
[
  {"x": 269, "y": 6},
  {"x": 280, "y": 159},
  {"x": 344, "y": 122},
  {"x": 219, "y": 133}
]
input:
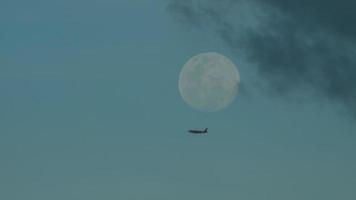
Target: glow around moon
[{"x": 209, "y": 82}]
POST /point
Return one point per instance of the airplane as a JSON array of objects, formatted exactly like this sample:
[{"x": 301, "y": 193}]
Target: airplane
[{"x": 199, "y": 131}]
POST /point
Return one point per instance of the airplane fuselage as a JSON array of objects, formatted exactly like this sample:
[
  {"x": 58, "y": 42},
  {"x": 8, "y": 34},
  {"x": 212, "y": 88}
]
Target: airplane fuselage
[{"x": 198, "y": 131}]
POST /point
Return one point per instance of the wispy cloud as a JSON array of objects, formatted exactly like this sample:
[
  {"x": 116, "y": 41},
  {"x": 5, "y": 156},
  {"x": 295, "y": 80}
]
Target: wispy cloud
[{"x": 294, "y": 44}]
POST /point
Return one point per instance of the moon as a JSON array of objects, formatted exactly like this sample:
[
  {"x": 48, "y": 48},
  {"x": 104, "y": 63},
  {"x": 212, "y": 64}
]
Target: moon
[{"x": 209, "y": 82}]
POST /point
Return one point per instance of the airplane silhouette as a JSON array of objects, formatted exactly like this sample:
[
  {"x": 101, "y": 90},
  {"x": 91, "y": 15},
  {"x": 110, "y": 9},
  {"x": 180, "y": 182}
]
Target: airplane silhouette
[{"x": 199, "y": 131}]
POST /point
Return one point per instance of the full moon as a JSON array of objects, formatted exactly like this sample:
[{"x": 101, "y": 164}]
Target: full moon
[{"x": 209, "y": 82}]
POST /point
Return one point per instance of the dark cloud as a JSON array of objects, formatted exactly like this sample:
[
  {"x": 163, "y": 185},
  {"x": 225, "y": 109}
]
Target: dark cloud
[
  {"x": 295, "y": 44},
  {"x": 336, "y": 16}
]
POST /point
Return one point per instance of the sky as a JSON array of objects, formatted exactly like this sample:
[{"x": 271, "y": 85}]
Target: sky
[{"x": 90, "y": 107}]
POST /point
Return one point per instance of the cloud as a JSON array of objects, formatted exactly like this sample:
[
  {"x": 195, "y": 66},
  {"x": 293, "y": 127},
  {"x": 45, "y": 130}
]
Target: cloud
[{"x": 294, "y": 44}]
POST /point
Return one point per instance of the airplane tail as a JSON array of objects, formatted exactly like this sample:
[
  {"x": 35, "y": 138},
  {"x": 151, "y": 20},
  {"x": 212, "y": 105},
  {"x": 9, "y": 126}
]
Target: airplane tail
[{"x": 206, "y": 130}]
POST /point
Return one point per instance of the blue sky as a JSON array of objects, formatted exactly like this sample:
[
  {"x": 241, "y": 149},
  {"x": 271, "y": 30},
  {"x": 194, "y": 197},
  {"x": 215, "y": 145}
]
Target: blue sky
[{"x": 90, "y": 109}]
